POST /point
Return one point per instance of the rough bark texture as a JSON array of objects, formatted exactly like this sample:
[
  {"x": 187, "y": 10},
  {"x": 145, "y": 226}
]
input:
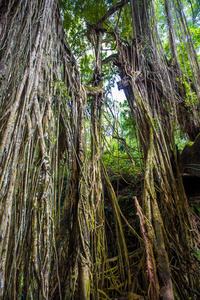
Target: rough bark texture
[
  {"x": 52, "y": 238},
  {"x": 147, "y": 87},
  {"x": 42, "y": 183}
]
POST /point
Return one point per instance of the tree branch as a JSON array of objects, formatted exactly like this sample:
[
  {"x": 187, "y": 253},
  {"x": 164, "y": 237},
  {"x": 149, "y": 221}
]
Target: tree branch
[
  {"x": 111, "y": 11},
  {"x": 112, "y": 57}
]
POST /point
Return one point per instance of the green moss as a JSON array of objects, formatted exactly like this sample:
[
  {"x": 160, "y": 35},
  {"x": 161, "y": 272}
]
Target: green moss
[{"x": 88, "y": 288}]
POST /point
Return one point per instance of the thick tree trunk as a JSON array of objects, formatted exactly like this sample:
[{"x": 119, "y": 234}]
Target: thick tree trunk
[
  {"x": 143, "y": 81},
  {"x": 98, "y": 244},
  {"x": 42, "y": 174},
  {"x": 52, "y": 243},
  {"x": 174, "y": 52}
]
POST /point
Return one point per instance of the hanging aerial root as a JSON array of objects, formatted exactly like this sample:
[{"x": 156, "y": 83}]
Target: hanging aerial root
[{"x": 149, "y": 253}]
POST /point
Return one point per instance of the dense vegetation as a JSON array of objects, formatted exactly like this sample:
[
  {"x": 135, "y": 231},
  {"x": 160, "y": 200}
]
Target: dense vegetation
[{"x": 94, "y": 200}]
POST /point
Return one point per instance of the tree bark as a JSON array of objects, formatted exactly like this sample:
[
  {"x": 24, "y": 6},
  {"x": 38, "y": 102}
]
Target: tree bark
[{"x": 42, "y": 132}]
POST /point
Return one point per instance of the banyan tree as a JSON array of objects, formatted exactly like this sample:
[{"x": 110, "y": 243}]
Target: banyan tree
[{"x": 54, "y": 238}]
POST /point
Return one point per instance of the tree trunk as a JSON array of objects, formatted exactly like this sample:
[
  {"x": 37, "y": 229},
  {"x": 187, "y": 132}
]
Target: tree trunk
[
  {"x": 143, "y": 81},
  {"x": 41, "y": 155}
]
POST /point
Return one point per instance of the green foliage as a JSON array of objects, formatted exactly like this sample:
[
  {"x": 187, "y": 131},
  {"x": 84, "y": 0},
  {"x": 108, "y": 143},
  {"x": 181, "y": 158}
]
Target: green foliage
[
  {"x": 127, "y": 121},
  {"x": 195, "y": 207},
  {"x": 76, "y": 14},
  {"x": 197, "y": 252},
  {"x": 181, "y": 139},
  {"x": 192, "y": 14},
  {"x": 125, "y": 24},
  {"x": 110, "y": 77},
  {"x": 117, "y": 160},
  {"x": 61, "y": 88},
  {"x": 90, "y": 11},
  {"x": 191, "y": 99},
  {"x": 195, "y": 32},
  {"x": 86, "y": 64}
]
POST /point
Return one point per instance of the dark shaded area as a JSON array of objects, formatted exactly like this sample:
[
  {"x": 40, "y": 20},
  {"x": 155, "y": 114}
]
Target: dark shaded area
[
  {"x": 192, "y": 189},
  {"x": 192, "y": 185},
  {"x": 126, "y": 188},
  {"x": 190, "y": 166},
  {"x": 190, "y": 158}
]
